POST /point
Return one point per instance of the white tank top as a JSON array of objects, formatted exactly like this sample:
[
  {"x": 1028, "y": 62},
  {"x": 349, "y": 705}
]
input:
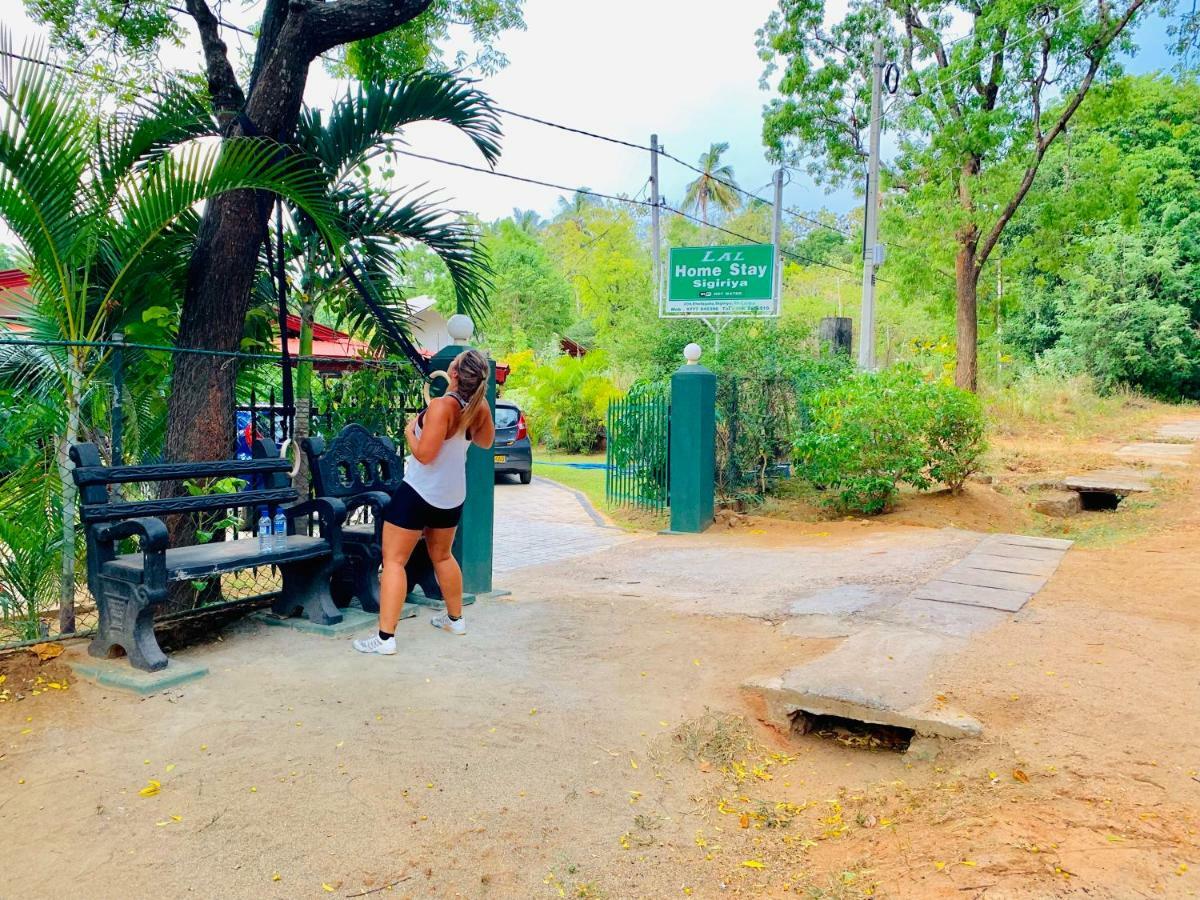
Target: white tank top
[{"x": 442, "y": 482}]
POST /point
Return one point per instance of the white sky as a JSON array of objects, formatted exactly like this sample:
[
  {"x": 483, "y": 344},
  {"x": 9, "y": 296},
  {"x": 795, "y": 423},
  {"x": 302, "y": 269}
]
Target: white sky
[
  {"x": 625, "y": 68},
  {"x": 686, "y": 69}
]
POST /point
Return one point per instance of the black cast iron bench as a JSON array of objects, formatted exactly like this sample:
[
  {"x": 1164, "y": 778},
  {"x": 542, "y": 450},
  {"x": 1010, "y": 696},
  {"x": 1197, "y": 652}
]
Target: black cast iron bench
[
  {"x": 362, "y": 470},
  {"x": 128, "y": 586}
]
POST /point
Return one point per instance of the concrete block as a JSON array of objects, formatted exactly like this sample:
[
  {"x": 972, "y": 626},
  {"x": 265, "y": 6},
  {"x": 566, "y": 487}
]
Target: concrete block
[
  {"x": 994, "y": 547},
  {"x": 880, "y": 675},
  {"x": 118, "y": 673},
  {"x": 1025, "y": 540},
  {"x": 965, "y": 573},
  {"x": 353, "y": 620},
  {"x": 954, "y": 619},
  {"x": 970, "y": 595},
  {"x": 1107, "y": 481},
  {"x": 1059, "y": 504},
  {"x": 988, "y": 560}
]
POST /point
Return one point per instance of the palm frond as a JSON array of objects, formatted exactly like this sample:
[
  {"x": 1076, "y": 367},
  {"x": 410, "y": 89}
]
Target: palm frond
[{"x": 367, "y": 121}]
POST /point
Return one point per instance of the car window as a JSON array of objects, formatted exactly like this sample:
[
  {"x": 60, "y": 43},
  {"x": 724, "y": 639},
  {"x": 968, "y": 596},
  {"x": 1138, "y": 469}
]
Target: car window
[{"x": 506, "y": 416}]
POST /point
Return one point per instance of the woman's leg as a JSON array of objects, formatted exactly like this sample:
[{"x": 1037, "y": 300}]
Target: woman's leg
[
  {"x": 398, "y": 544},
  {"x": 445, "y": 566}
]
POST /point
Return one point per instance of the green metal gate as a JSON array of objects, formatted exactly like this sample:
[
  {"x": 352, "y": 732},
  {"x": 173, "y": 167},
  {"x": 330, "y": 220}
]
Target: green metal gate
[{"x": 638, "y": 448}]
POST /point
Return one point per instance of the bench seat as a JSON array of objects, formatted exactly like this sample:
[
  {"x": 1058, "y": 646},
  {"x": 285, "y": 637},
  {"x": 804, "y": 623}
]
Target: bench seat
[{"x": 217, "y": 558}]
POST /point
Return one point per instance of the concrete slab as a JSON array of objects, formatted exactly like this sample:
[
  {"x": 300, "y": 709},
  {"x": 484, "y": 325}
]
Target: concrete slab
[
  {"x": 971, "y": 595},
  {"x": 118, "y": 673},
  {"x": 965, "y": 573},
  {"x": 818, "y": 626},
  {"x": 418, "y": 598},
  {"x": 952, "y": 619},
  {"x": 1024, "y": 540},
  {"x": 1167, "y": 454},
  {"x": 1189, "y": 429},
  {"x": 837, "y": 601},
  {"x": 1044, "y": 567},
  {"x": 1107, "y": 481},
  {"x": 880, "y": 675},
  {"x": 1017, "y": 551},
  {"x": 352, "y": 620}
]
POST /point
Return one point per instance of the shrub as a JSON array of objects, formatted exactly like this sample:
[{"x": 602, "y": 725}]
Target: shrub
[
  {"x": 954, "y": 435},
  {"x": 865, "y": 438},
  {"x": 565, "y": 399},
  {"x": 872, "y": 432}
]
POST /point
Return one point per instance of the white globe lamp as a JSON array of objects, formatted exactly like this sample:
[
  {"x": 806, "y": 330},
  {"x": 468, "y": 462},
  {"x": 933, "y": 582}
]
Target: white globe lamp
[
  {"x": 460, "y": 327},
  {"x": 692, "y": 354}
]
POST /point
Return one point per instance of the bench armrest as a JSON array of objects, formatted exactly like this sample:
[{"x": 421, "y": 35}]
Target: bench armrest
[
  {"x": 329, "y": 510},
  {"x": 376, "y": 500},
  {"x": 154, "y": 540}
]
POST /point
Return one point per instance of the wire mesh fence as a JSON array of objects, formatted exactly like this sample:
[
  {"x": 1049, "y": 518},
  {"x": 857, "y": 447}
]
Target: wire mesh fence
[
  {"x": 119, "y": 402},
  {"x": 758, "y": 420}
]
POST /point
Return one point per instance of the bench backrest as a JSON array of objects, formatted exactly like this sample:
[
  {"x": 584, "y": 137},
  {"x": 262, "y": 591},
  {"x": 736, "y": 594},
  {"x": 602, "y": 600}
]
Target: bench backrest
[
  {"x": 353, "y": 463},
  {"x": 94, "y": 478}
]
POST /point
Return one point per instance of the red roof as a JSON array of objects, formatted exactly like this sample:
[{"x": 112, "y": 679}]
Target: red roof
[{"x": 14, "y": 295}]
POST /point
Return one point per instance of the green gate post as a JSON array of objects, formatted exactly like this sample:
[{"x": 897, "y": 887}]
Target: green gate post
[
  {"x": 473, "y": 543},
  {"x": 693, "y": 444}
]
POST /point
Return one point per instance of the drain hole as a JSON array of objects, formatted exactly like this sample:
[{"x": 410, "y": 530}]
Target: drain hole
[
  {"x": 1099, "y": 501},
  {"x": 852, "y": 732}
]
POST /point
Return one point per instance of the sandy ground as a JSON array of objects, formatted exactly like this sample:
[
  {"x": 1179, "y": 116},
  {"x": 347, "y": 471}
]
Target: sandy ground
[{"x": 562, "y": 748}]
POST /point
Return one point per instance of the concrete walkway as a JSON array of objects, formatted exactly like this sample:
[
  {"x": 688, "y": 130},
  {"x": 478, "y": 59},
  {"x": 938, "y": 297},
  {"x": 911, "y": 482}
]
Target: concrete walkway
[{"x": 544, "y": 522}]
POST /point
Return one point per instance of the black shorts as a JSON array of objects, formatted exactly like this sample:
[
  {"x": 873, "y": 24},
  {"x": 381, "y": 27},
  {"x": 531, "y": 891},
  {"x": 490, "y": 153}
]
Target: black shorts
[{"x": 408, "y": 510}]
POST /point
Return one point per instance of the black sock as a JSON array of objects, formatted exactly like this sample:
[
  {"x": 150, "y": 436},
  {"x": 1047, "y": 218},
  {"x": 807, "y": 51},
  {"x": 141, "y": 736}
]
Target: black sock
[
  {"x": 454, "y": 618},
  {"x": 384, "y": 636}
]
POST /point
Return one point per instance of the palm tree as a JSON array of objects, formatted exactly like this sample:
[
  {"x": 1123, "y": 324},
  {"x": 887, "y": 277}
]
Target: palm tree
[
  {"x": 380, "y": 223},
  {"x": 527, "y": 220},
  {"x": 104, "y": 212},
  {"x": 716, "y": 185}
]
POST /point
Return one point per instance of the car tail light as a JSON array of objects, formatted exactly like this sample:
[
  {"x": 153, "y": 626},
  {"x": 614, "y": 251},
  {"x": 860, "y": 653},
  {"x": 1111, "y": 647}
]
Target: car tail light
[{"x": 522, "y": 430}]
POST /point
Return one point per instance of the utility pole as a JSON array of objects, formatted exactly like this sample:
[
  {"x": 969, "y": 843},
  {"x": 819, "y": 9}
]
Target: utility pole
[
  {"x": 776, "y": 237},
  {"x": 872, "y": 252},
  {"x": 654, "y": 222}
]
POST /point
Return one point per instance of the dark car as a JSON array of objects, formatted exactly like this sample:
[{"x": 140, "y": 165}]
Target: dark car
[{"x": 513, "y": 450}]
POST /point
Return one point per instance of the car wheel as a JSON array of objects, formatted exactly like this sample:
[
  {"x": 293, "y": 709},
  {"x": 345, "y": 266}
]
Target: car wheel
[{"x": 526, "y": 477}]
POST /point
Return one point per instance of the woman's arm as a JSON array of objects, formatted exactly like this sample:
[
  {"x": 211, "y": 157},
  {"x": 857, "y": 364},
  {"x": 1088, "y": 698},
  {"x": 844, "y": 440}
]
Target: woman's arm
[
  {"x": 483, "y": 429},
  {"x": 433, "y": 434}
]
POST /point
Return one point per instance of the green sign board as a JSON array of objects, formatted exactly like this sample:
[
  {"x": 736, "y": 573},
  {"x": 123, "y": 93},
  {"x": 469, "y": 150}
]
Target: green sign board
[{"x": 721, "y": 281}]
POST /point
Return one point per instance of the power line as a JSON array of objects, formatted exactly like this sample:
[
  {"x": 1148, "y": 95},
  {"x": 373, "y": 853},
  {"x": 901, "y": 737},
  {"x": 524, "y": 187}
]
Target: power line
[
  {"x": 549, "y": 184},
  {"x": 591, "y": 134},
  {"x": 799, "y": 257}
]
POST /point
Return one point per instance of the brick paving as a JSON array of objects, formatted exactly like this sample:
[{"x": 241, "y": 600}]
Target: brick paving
[{"x": 542, "y": 523}]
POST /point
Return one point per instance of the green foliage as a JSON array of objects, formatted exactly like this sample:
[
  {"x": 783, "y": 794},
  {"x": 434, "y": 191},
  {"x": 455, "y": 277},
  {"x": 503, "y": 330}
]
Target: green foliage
[
  {"x": 954, "y": 435},
  {"x": 716, "y": 185},
  {"x": 29, "y": 563},
  {"x": 530, "y": 301},
  {"x": 564, "y": 399},
  {"x": 873, "y": 432},
  {"x": 1117, "y": 316},
  {"x": 419, "y": 43}
]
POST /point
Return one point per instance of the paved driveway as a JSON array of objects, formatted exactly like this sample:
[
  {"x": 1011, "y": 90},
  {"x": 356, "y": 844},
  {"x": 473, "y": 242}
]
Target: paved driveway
[{"x": 544, "y": 522}]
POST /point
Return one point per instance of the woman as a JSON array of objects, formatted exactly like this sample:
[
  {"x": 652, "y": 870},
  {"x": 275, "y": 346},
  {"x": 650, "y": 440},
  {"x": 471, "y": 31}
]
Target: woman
[{"x": 430, "y": 499}]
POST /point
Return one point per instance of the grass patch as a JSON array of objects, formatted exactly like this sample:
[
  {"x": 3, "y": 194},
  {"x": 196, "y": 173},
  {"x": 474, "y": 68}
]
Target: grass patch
[
  {"x": 590, "y": 483},
  {"x": 718, "y": 739}
]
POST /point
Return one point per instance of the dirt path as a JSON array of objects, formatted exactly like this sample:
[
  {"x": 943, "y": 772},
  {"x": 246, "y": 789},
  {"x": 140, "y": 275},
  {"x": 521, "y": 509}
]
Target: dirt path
[{"x": 562, "y": 749}]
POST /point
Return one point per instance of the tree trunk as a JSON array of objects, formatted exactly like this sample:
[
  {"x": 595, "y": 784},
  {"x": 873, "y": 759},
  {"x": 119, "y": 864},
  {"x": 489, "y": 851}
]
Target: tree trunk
[
  {"x": 966, "y": 281},
  {"x": 66, "y": 596}
]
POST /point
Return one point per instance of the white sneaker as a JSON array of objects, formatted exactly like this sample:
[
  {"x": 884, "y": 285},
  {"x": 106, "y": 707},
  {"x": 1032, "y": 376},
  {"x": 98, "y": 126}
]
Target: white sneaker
[
  {"x": 445, "y": 623},
  {"x": 373, "y": 644}
]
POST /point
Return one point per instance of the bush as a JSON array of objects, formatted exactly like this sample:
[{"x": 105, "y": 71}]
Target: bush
[
  {"x": 954, "y": 435},
  {"x": 872, "y": 432},
  {"x": 565, "y": 399}
]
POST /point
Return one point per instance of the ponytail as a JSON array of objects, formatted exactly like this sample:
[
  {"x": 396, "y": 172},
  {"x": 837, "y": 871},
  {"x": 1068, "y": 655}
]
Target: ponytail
[{"x": 473, "y": 375}]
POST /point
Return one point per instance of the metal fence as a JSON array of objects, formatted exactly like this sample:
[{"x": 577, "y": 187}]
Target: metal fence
[
  {"x": 122, "y": 409},
  {"x": 638, "y": 448},
  {"x": 757, "y": 423}
]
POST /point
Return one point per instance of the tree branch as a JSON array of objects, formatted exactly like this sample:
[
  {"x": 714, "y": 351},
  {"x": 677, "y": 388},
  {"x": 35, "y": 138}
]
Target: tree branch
[
  {"x": 328, "y": 25},
  {"x": 1095, "y": 55},
  {"x": 226, "y": 93}
]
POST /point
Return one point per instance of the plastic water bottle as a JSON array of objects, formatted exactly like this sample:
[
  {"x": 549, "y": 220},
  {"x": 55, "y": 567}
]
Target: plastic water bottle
[
  {"x": 280, "y": 530},
  {"x": 264, "y": 533}
]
